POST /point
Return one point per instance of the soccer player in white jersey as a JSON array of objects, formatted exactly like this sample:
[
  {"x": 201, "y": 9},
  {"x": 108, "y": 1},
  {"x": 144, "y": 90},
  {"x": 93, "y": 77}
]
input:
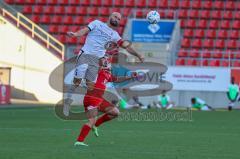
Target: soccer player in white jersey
[{"x": 100, "y": 34}]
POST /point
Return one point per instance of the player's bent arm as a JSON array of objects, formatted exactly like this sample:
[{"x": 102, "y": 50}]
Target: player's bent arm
[
  {"x": 79, "y": 33},
  {"x": 133, "y": 52},
  {"x": 122, "y": 79}
]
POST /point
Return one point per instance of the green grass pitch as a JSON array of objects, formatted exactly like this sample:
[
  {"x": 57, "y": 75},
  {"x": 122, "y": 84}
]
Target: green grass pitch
[{"x": 36, "y": 133}]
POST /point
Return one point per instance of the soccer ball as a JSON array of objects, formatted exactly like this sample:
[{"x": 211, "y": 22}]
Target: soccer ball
[{"x": 153, "y": 17}]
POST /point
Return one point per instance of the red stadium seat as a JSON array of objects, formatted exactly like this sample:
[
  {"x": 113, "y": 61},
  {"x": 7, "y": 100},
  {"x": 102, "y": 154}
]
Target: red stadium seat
[
  {"x": 225, "y": 63},
  {"x": 38, "y": 10},
  {"x": 89, "y": 20},
  {"x": 191, "y": 23},
  {"x": 182, "y": 23},
  {"x": 152, "y": 3},
  {"x": 19, "y": 1},
  {"x": 67, "y": 20},
  {"x": 196, "y": 4},
  {"x": 182, "y": 53},
  {"x": 96, "y": 2},
  {"x": 216, "y": 14},
  {"x": 49, "y": 10},
  {"x": 35, "y": 18},
  {"x": 217, "y": 54},
  {"x": 74, "y": 2},
  {"x": 231, "y": 44},
  {"x": 45, "y": 19},
  {"x": 119, "y": 3},
  {"x": 229, "y": 5},
  {"x": 204, "y": 14},
  {"x": 234, "y": 34},
  {"x": 185, "y": 43},
  {"x": 79, "y": 20},
  {"x": 220, "y": 43},
  {"x": 141, "y": 3},
  {"x": 236, "y": 15},
  {"x": 180, "y": 62},
  {"x": 218, "y": 5},
  {"x": 30, "y": 1},
  {"x": 206, "y": 54},
  {"x": 53, "y": 29},
  {"x": 71, "y": 10},
  {"x": 202, "y": 23},
  {"x": 227, "y": 15},
  {"x": 163, "y": 4},
  {"x": 192, "y": 62},
  {"x": 107, "y": 2},
  {"x": 27, "y": 9},
  {"x": 62, "y": 38},
  {"x": 237, "y": 55},
  {"x": 63, "y": 2},
  {"x": 9, "y": 1},
  {"x": 56, "y": 19},
  {"x": 123, "y": 22},
  {"x": 225, "y": 24},
  {"x": 173, "y": 4},
  {"x": 214, "y": 63},
  {"x": 82, "y": 11},
  {"x": 197, "y": 43},
  {"x": 125, "y": 11},
  {"x": 130, "y": 3},
  {"x": 170, "y": 14},
  {"x": 193, "y": 13},
  {"x": 194, "y": 54},
  {"x": 208, "y": 43},
  {"x": 104, "y": 11},
  {"x": 115, "y": 10},
  {"x": 204, "y": 62},
  {"x": 213, "y": 24},
  {"x": 228, "y": 54},
  {"x": 207, "y": 4},
  {"x": 236, "y": 24},
  {"x": 59, "y": 9},
  {"x": 93, "y": 11},
  {"x": 53, "y": 2},
  {"x": 188, "y": 33},
  {"x": 182, "y": 14},
  {"x": 185, "y": 4},
  {"x": 85, "y": 2},
  {"x": 41, "y": 2},
  {"x": 139, "y": 13},
  {"x": 236, "y": 63},
  {"x": 199, "y": 33},
  {"x": 64, "y": 29},
  {"x": 211, "y": 33},
  {"x": 222, "y": 34}
]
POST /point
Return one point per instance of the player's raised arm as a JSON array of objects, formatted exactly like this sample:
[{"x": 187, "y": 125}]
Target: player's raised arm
[{"x": 79, "y": 33}]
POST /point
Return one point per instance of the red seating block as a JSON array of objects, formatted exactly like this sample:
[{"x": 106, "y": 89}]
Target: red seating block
[
  {"x": 63, "y": 29},
  {"x": 234, "y": 34},
  {"x": 188, "y": 33},
  {"x": 180, "y": 62},
  {"x": 93, "y": 11},
  {"x": 229, "y": 5},
  {"x": 237, "y": 15},
  {"x": 104, "y": 11},
  {"x": 59, "y": 9},
  {"x": 45, "y": 19},
  {"x": 79, "y": 20},
  {"x": 217, "y": 54},
  {"x": 228, "y": 54},
  {"x": 38, "y": 10},
  {"x": 67, "y": 20},
  {"x": 236, "y": 24},
  {"x": 192, "y": 62},
  {"x": 182, "y": 53},
  {"x": 199, "y": 33},
  {"x": 119, "y": 3},
  {"x": 208, "y": 43},
  {"x": 197, "y": 43},
  {"x": 82, "y": 11},
  {"x": 211, "y": 33},
  {"x": 96, "y": 2},
  {"x": 214, "y": 63},
  {"x": 231, "y": 44},
  {"x": 74, "y": 2},
  {"x": 130, "y": 3},
  {"x": 196, "y": 4},
  {"x": 204, "y": 14},
  {"x": 185, "y": 4},
  {"x": 107, "y": 2},
  {"x": 125, "y": 11},
  {"x": 163, "y": 4},
  {"x": 49, "y": 10},
  {"x": 220, "y": 43},
  {"x": 56, "y": 19},
  {"x": 185, "y": 43},
  {"x": 202, "y": 24},
  {"x": 71, "y": 10},
  {"x": 213, "y": 24},
  {"x": 182, "y": 13},
  {"x": 10, "y": 1},
  {"x": 207, "y": 4},
  {"x": 206, "y": 54},
  {"x": 218, "y": 5},
  {"x": 27, "y": 9},
  {"x": 63, "y": 2},
  {"x": 193, "y": 13},
  {"x": 205, "y": 62},
  {"x": 236, "y": 63},
  {"x": 53, "y": 29},
  {"x": 225, "y": 63},
  {"x": 216, "y": 14},
  {"x": 30, "y": 1},
  {"x": 225, "y": 24},
  {"x": 141, "y": 3},
  {"x": 170, "y": 14},
  {"x": 35, "y": 18},
  {"x": 152, "y": 3},
  {"x": 194, "y": 54},
  {"x": 53, "y": 2},
  {"x": 222, "y": 34},
  {"x": 227, "y": 15},
  {"x": 173, "y": 4},
  {"x": 85, "y": 2},
  {"x": 191, "y": 23}
]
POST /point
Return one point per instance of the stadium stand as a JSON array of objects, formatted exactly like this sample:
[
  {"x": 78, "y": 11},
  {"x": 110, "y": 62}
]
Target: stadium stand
[{"x": 210, "y": 28}]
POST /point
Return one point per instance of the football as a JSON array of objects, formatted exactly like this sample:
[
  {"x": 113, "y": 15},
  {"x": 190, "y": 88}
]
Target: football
[{"x": 153, "y": 17}]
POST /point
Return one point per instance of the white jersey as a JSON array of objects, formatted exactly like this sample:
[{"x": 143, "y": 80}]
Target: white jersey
[{"x": 100, "y": 34}]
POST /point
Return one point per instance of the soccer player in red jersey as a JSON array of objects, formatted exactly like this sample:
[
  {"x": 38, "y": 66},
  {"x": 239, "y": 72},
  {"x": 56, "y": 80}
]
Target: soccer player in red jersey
[{"x": 94, "y": 102}]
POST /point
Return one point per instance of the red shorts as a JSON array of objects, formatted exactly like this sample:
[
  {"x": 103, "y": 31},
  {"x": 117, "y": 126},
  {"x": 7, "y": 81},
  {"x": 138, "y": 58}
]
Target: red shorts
[{"x": 91, "y": 102}]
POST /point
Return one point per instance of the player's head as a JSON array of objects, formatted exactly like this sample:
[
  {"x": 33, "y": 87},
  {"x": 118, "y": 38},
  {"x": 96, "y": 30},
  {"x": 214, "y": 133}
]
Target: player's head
[
  {"x": 105, "y": 63},
  {"x": 193, "y": 100},
  {"x": 114, "y": 19}
]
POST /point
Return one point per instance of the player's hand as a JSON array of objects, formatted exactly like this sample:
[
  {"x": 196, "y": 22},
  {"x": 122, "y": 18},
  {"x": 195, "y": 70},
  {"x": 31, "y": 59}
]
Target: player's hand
[{"x": 71, "y": 34}]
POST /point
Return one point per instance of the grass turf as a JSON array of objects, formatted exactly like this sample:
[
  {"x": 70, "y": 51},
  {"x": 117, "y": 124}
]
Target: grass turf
[{"x": 36, "y": 133}]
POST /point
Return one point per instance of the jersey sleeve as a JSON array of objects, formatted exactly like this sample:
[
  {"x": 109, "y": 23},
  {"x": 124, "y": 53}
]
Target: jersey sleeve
[
  {"x": 112, "y": 78},
  {"x": 116, "y": 38},
  {"x": 92, "y": 25}
]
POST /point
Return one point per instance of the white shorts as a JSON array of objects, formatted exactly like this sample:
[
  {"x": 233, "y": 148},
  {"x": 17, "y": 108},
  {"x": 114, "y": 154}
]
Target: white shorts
[{"x": 87, "y": 67}]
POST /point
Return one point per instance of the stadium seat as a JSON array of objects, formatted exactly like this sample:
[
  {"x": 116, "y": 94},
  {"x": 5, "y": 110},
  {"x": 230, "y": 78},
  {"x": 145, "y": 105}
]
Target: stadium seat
[
  {"x": 152, "y": 3},
  {"x": 73, "y": 2},
  {"x": 173, "y": 4},
  {"x": 206, "y": 54},
  {"x": 27, "y": 9},
  {"x": 192, "y": 62},
  {"x": 170, "y": 14},
  {"x": 214, "y": 63},
  {"x": 104, "y": 11},
  {"x": 53, "y": 29},
  {"x": 59, "y": 9},
  {"x": 119, "y": 3},
  {"x": 220, "y": 44},
  {"x": 64, "y": 29},
  {"x": 85, "y": 2},
  {"x": 61, "y": 38},
  {"x": 49, "y": 10},
  {"x": 9, "y": 1},
  {"x": 20, "y": 1},
  {"x": 163, "y": 4},
  {"x": 211, "y": 33},
  {"x": 79, "y": 20},
  {"x": 205, "y": 14},
  {"x": 185, "y": 43},
  {"x": 236, "y": 63},
  {"x": 193, "y": 13},
  {"x": 123, "y": 22},
  {"x": 202, "y": 24},
  {"x": 71, "y": 10},
  {"x": 72, "y": 40},
  {"x": 185, "y": 4},
  {"x": 183, "y": 53},
  {"x": 196, "y": 4},
  {"x": 236, "y": 24},
  {"x": 213, "y": 24},
  {"x": 229, "y": 5},
  {"x": 237, "y": 55},
  {"x": 35, "y": 18},
  {"x": 188, "y": 33},
  {"x": 231, "y": 44},
  {"x": 82, "y": 11},
  {"x": 216, "y": 14},
  {"x": 88, "y": 20},
  {"x": 194, "y": 54},
  {"x": 42, "y": 2},
  {"x": 67, "y": 20},
  {"x": 236, "y": 15},
  {"x": 234, "y": 34},
  {"x": 53, "y": 2},
  {"x": 204, "y": 62},
  {"x": 57, "y": 19},
  {"x": 130, "y": 3},
  {"x": 207, "y": 4},
  {"x": 139, "y": 13},
  {"x": 217, "y": 54},
  {"x": 191, "y": 23},
  {"x": 225, "y": 63},
  {"x": 182, "y": 23},
  {"x": 45, "y": 19},
  {"x": 199, "y": 33},
  {"x": 222, "y": 34},
  {"x": 63, "y": 2},
  {"x": 218, "y": 5},
  {"x": 180, "y": 62},
  {"x": 96, "y": 3},
  {"x": 125, "y": 11},
  {"x": 93, "y": 11},
  {"x": 38, "y": 10},
  {"x": 227, "y": 15},
  {"x": 141, "y": 3},
  {"x": 107, "y": 2},
  {"x": 182, "y": 13},
  {"x": 228, "y": 54},
  {"x": 197, "y": 43},
  {"x": 208, "y": 43},
  {"x": 225, "y": 24}
]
